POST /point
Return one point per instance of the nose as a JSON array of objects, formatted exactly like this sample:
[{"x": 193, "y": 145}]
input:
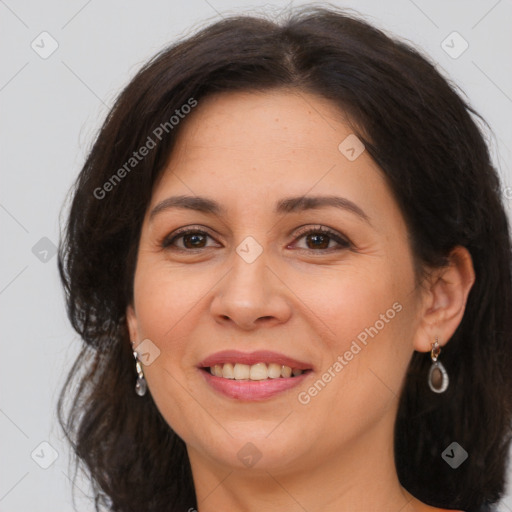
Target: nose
[{"x": 251, "y": 295}]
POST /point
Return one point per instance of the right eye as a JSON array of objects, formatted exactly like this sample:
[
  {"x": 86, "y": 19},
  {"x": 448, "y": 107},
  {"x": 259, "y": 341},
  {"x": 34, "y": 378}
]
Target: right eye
[{"x": 191, "y": 238}]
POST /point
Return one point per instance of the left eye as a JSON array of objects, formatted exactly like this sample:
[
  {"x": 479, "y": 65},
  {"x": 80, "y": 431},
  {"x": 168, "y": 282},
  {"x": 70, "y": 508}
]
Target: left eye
[
  {"x": 317, "y": 239},
  {"x": 320, "y": 238},
  {"x": 192, "y": 239}
]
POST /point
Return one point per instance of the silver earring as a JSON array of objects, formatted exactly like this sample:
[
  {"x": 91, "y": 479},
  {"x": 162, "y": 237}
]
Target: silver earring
[
  {"x": 141, "y": 386},
  {"x": 437, "y": 376}
]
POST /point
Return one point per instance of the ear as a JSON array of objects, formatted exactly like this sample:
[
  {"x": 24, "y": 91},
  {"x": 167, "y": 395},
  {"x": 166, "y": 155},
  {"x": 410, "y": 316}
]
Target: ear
[
  {"x": 131, "y": 320},
  {"x": 444, "y": 300}
]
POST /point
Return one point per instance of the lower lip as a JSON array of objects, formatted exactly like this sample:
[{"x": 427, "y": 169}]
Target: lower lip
[{"x": 252, "y": 390}]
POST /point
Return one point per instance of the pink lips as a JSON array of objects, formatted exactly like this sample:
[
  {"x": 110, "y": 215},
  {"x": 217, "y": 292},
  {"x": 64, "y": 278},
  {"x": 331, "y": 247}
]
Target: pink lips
[{"x": 248, "y": 390}]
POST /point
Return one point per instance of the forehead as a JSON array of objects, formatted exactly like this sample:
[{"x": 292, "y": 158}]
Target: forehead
[
  {"x": 247, "y": 119},
  {"x": 276, "y": 131},
  {"x": 258, "y": 147}
]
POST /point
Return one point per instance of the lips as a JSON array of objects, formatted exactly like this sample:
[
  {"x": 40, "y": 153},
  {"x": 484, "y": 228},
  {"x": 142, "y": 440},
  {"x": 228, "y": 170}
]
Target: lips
[{"x": 252, "y": 376}]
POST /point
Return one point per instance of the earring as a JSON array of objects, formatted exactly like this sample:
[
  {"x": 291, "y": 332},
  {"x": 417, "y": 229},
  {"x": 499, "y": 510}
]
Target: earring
[
  {"x": 437, "y": 376},
  {"x": 141, "y": 385}
]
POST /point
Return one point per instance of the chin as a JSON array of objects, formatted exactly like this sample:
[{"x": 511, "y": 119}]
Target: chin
[{"x": 256, "y": 450}]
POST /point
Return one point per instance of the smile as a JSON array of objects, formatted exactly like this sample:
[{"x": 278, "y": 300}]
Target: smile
[
  {"x": 256, "y": 372},
  {"x": 252, "y": 376}
]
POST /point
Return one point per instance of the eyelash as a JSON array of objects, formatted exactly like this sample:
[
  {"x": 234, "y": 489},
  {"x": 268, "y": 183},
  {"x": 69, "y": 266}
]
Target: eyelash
[{"x": 343, "y": 243}]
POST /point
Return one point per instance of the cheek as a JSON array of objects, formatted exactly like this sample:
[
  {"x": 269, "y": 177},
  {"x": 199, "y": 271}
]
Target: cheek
[
  {"x": 367, "y": 315},
  {"x": 164, "y": 301},
  {"x": 360, "y": 379},
  {"x": 346, "y": 300},
  {"x": 164, "y": 297}
]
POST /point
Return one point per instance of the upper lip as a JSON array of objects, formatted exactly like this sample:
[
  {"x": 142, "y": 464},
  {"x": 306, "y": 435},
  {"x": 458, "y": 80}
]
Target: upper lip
[{"x": 250, "y": 358}]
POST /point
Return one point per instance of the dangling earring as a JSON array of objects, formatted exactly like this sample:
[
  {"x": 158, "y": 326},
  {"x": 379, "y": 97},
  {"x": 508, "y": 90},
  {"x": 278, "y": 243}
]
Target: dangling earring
[
  {"x": 437, "y": 376},
  {"x": 141, "y": 385}
]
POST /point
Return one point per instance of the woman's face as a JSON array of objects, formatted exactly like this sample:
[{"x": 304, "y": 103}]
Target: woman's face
[{"x": 339, "y": 303}]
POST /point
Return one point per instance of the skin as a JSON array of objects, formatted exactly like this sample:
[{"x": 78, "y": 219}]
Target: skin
[{"x": 335, "y": 453}]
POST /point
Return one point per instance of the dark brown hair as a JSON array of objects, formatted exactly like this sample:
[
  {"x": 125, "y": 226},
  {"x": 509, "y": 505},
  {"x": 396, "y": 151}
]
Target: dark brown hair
[{"x": 427, "y": 142}]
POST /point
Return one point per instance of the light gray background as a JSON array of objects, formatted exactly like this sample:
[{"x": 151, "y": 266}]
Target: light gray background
[{"x": 50, "y": 110}]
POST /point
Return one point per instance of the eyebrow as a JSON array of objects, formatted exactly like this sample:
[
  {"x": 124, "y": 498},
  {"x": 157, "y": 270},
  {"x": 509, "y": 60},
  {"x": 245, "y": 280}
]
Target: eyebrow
[{"x": 286, "y": 205}]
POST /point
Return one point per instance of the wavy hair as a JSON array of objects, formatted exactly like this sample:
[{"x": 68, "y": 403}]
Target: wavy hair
[{"x": 430, "y": 145}]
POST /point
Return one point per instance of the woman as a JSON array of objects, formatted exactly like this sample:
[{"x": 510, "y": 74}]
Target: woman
[{"x": 289, "y": 262}]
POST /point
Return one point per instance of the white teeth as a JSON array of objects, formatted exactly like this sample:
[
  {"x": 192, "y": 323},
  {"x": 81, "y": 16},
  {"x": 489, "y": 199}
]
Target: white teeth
[
  {"x": 274, "y": 371},
  {"x": 286, "y": 371},
  {"x": 258, "y": 371},
  {"x": 227, "y": 371},
  {"x": 242, "y": 371}
]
